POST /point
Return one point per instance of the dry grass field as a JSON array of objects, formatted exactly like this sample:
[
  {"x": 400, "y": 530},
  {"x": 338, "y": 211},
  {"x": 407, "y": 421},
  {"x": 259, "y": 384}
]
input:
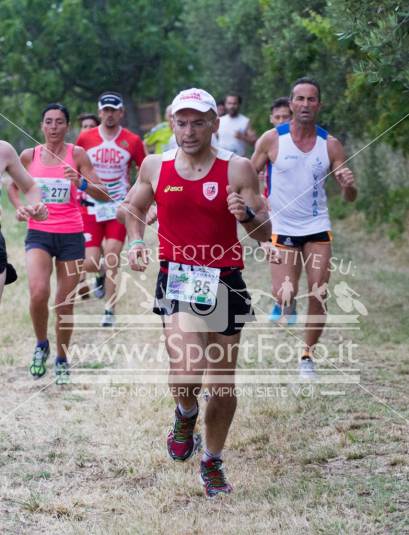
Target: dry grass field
[{"x": 90, "y": 458}]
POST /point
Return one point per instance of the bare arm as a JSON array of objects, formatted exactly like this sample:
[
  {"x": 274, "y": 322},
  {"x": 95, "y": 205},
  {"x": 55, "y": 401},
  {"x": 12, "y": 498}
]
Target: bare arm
[
  {"x": 343, "y": 175},
  {"x": 85, "y": 169},
  {"x": 24, "y": 182},
  {"x": 250, "y": 135},
  {"x": 13, "y": 193},
  {"x": 140, "y": 198},
  {"x": 123, "y": 208},
  {"x": 265, "y": 150},
  {"x": 243, "y": 191},
  {"x": 151, "y": 215},
  {"x": 21, "y": 179}
]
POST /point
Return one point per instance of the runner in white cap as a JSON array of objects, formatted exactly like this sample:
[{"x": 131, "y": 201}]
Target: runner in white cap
[{"x": 200, "y": 293}]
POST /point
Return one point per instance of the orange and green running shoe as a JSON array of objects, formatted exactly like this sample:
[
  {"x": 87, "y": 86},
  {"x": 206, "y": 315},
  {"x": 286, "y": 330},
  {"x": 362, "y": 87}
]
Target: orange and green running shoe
[
  {"x": 213, "y": 478},
  {"x": 182, "y": 442}
]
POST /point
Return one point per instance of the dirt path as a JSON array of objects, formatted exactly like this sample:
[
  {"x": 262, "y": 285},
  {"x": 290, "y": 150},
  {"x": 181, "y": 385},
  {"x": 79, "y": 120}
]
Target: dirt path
[{"x": 91, "y": 459}]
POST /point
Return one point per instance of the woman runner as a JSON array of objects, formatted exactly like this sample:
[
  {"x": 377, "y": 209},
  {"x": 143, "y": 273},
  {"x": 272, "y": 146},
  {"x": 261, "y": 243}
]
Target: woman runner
[{"x": 59, "y": 169}]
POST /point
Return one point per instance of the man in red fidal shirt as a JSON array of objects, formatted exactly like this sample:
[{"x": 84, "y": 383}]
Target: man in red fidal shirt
[{"x": 112, "y": 149}]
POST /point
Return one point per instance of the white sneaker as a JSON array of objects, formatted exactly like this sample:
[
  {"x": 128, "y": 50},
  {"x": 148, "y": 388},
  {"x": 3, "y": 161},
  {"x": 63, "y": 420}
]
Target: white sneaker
[
  {"x": 108, "y": 319},
  {"x": 306, "y": 369}
]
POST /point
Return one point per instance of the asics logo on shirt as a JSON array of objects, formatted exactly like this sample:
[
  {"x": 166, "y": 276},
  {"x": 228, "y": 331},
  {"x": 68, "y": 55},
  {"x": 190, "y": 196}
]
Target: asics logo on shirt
[{"x": 172, "y": 188}]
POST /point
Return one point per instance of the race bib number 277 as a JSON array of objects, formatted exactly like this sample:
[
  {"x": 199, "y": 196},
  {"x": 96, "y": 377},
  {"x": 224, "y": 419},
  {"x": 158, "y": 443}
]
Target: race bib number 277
[{"x": 54, "y": 190}]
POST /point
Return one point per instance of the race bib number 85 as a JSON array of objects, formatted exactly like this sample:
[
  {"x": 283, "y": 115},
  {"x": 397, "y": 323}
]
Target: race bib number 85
[{"x": 193, "y": 284}]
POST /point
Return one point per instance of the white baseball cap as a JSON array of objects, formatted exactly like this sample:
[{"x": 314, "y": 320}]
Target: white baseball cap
[{"x": 194, "y": 99}]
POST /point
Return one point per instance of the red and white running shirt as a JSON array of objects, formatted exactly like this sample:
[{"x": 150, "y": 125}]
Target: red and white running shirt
[
  {"x": 195, "y": 225},
  {"x": 112, "y": 158}
]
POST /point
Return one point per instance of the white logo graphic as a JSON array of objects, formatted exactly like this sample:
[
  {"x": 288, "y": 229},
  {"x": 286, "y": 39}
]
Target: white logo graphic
[
  {"x": 210, "y": 190},
  {"x": 345, "y": 297}
]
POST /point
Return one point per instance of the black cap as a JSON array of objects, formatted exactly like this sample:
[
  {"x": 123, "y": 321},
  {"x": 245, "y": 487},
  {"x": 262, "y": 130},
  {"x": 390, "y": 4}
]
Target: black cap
[{"x": 110, "y": 100}]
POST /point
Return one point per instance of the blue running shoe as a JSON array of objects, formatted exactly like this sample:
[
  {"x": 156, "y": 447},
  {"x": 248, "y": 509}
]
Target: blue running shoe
[{"x": 276, "y": 314}]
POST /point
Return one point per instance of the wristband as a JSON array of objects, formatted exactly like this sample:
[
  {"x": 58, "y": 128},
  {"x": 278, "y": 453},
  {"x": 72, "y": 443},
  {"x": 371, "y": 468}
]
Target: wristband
[
  {"x": 135, "y": 242},
  {"x": 83, "y": 184},
  {"x": 250, "y": 215}
]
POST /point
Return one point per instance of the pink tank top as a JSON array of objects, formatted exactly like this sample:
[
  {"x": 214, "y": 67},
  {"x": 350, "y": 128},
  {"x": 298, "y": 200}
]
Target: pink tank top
[{"x": 58, "y": 193}]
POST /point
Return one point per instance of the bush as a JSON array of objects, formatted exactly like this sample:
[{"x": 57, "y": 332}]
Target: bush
[{"x": 383, "y": 183}]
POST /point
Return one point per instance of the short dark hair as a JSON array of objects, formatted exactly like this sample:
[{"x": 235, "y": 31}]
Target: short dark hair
[
  {"x": 83, "y": 116},
  {"x": 220, "y": 103},
  {"x": 280, "y": 102},
  {"x": 233, "y": 95},
  {"x": 306, "y": 80},
  {"x": 56, "y": 106}
]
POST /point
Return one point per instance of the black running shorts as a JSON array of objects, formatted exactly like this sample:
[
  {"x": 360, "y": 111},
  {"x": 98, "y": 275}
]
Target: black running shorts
[
  {"x": 63, "y": 246},
  {"x": 281, "y": 240},
  {"x": 229, "y": 314}
]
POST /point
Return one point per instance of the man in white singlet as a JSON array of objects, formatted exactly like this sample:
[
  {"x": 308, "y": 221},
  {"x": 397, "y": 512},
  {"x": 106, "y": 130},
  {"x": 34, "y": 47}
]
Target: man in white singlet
[
  {"x": 235, "y": 132},
  {"x": 301, "y": 155}
]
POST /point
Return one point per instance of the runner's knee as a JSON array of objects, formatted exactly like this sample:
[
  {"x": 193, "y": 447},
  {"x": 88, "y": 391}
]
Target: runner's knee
[
  {"x": 39, "y": 293},
  {"x": 64, "y": 308},
  {"x": 91, "y": 265}
]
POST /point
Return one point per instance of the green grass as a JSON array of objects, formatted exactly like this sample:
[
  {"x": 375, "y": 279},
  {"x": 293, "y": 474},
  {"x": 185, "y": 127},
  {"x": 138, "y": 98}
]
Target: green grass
[{"x": 87, "y": 460}]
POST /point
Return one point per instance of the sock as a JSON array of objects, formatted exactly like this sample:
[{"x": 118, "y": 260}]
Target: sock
[
  {"x": 109, "y": 311},
  {"x": 188, "y": 413},
  {"x": 207, "y": 455},
  {"x": 43, "y": 344},
  {"x": 306, "y": 355},
  {"x": 60, "y": 360},
  {"x": 289, "y": 310},
  {"x": 101, "y": 268}
]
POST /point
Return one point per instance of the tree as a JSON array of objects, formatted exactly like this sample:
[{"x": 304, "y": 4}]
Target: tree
[
  {"x": 226, "y": 35},
  {"x": 72, "y": 50},
  {"x": 301, "y": 41},
  {"x": 378, "y": 88}
]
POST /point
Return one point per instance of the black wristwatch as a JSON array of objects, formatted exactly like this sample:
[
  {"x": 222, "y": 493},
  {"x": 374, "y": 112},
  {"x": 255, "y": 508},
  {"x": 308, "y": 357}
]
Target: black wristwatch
[{"x": 251, "y": 214}]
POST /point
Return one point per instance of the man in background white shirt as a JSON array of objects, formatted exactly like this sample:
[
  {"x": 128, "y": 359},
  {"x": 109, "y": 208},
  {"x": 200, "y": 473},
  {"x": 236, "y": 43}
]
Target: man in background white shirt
[{"x": 235, "y": 132}]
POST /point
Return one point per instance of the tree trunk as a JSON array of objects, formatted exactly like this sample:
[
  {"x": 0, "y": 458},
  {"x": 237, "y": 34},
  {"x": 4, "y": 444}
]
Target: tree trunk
[{"x": 131, "y": 114}]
